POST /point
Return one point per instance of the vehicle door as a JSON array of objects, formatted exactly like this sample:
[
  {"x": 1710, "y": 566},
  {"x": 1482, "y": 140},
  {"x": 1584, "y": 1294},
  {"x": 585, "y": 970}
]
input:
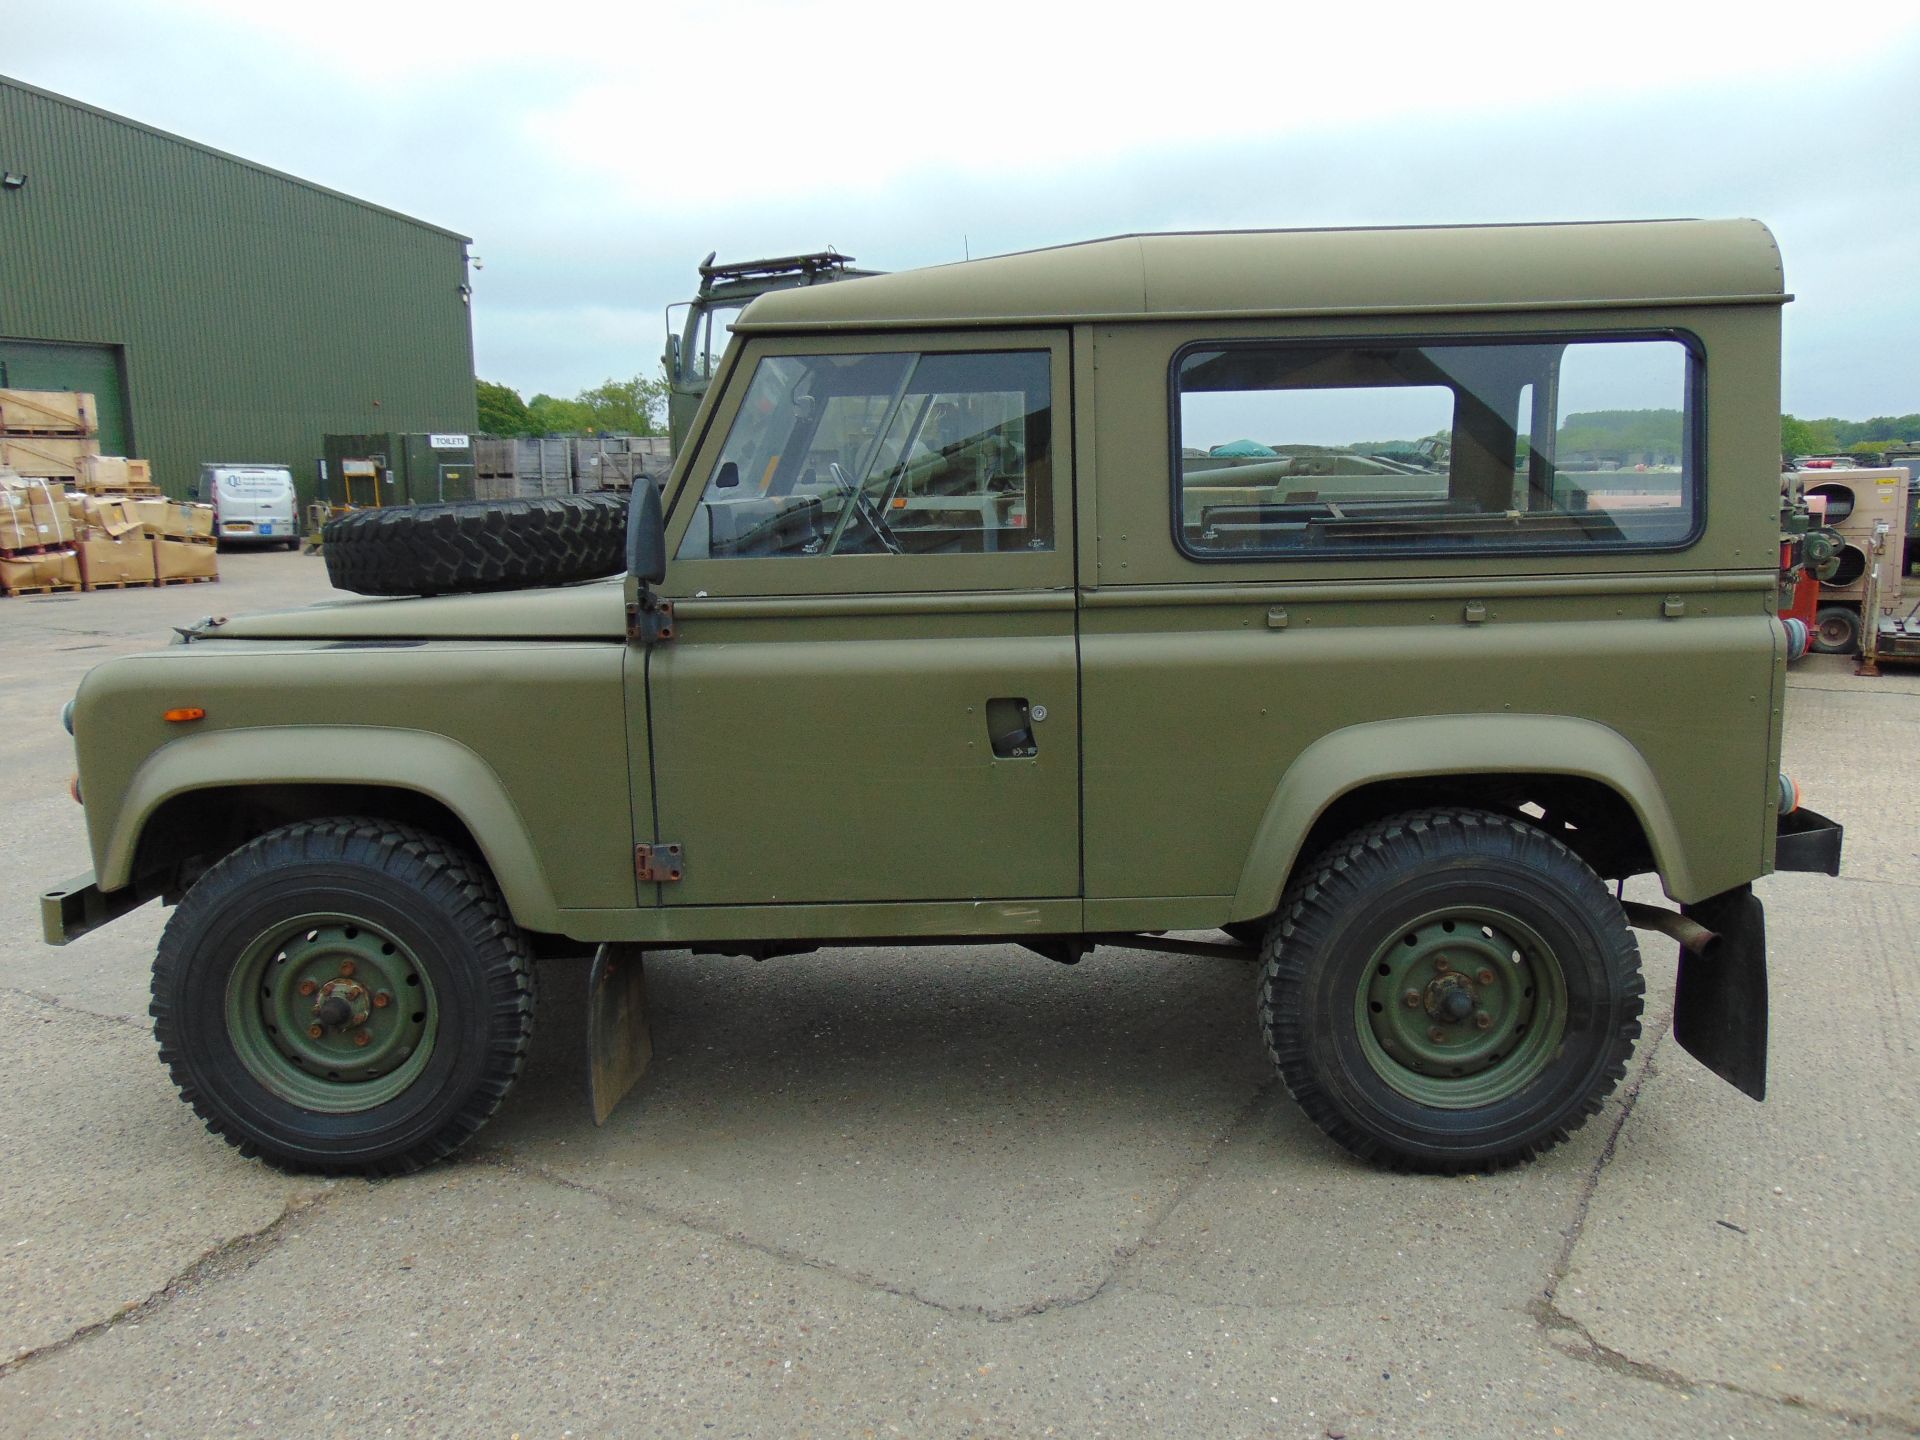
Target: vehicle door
[{"x": 870, "y": 695}]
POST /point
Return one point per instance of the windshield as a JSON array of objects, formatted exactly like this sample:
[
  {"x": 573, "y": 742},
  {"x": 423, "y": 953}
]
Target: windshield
[
  {"x": 885, "y": 452},
  {"x": 705, "y": 341}
]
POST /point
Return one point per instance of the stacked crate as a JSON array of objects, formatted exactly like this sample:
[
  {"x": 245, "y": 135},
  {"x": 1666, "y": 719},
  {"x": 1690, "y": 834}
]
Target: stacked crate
[
  {"x": 54, "y": 539},
  {"x": 557, "y": 465},
  {"x": 115, "y": 475},
  {"x": 37, "y": 554},
  {"x": 47, "y": 434},
  {"x": 72, "y": 518}
]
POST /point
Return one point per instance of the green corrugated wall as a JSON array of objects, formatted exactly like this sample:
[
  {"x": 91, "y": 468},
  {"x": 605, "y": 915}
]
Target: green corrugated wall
[{"x": 254, "y": 313}]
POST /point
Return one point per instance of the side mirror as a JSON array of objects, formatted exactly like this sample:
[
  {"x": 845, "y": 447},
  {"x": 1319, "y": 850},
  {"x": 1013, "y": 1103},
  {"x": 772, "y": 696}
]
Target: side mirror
[{"x": 646, "y": 535}]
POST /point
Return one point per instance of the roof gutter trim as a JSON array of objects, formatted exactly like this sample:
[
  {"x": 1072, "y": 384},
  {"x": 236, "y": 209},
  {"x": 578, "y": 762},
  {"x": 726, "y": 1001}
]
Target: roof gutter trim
[{"x": 998, "y": 322}]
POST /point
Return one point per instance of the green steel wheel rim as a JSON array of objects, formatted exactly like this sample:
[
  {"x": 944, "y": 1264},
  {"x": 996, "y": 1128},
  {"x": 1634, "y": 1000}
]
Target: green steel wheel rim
[
  {"x": 1462, "y": 1007},
  {"x": 331, "y": 1013}
]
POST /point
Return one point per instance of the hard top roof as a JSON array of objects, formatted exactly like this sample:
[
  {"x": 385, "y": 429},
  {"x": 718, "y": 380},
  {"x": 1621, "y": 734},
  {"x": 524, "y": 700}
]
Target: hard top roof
[{"x": 1282, "y": 272}]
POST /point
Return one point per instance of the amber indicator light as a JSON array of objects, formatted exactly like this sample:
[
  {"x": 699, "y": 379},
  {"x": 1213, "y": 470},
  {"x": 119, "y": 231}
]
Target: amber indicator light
[{"x": 184, "y": 714}]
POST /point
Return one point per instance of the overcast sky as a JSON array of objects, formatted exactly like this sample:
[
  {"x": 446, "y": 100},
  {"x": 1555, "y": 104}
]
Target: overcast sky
[{"x": 597, "y": 152}]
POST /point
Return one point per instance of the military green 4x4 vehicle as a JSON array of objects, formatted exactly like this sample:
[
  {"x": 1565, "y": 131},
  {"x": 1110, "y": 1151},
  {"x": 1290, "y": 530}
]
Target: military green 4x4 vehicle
[{"x": 1294, "y": 585}]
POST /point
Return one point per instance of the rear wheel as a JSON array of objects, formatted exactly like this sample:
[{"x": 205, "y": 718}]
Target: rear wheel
[
  {"x": 1449, "y": 990},
  {"x": 1836, "y": 631},
  {"x": 344, "y": 996}
]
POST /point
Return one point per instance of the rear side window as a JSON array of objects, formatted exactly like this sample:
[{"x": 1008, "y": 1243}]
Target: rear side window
[
  {"x": 1437, "y": 447},
  {"x": 893, "y": 452}
]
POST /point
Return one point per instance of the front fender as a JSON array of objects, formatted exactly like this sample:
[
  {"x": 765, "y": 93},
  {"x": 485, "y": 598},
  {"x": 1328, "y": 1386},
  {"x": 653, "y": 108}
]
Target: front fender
[
  {"x": 416, "y": 760},
  {"x": 1439, "y": 745}
]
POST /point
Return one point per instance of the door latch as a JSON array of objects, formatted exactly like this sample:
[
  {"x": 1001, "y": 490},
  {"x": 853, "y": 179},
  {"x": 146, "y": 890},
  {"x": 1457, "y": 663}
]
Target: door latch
[{"x": 658, "y": 863}]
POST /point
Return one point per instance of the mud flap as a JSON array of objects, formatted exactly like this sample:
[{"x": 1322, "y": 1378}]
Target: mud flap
[
  {"x": 1720, "y": 1005},
  {"x": 619, "y": 1044}
]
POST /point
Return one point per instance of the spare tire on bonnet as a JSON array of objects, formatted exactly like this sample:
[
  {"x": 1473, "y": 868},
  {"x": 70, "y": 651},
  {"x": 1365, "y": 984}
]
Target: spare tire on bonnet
[{"x": 468, "y": 545}]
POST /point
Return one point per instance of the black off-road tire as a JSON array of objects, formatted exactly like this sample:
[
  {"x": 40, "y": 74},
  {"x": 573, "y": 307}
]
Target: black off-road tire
[
  {"x": 1836, "y": 631},
  {"x": 450, "y": 948},
  {"x": 471, "y": 545},
  {"x": 1345, "y": 919}
]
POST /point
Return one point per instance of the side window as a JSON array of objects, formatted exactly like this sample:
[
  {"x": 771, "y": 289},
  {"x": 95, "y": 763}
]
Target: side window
[
  {"x": 903, "y": 453},
  {"x": 1436, "y": 448}
]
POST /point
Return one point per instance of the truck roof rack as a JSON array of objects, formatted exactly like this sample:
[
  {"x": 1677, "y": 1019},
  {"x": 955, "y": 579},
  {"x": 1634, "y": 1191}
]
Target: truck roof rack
[{"x": 800, "y": 269}]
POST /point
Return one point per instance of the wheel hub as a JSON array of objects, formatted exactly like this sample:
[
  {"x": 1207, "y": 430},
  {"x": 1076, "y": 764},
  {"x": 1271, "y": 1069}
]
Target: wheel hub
[
  {"x": 1449, "y": 998},
  {"x": 1451, "y": 1008},
  {"x": 330, "y": 1012}
]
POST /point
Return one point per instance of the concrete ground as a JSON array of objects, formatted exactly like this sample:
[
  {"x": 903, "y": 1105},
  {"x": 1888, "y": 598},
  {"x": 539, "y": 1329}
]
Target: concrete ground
[{"x": 958, "y": 1192}]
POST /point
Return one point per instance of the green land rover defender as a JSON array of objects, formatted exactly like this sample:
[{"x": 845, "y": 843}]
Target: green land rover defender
[{"x": 1314, "y": 596}]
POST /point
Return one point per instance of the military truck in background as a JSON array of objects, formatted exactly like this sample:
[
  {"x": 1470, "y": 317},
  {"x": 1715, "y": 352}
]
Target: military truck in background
[
  {"x": 949, "y": 627},
  {"x": 1864, "y": 547},
  {"x": 697, "y": 341}
]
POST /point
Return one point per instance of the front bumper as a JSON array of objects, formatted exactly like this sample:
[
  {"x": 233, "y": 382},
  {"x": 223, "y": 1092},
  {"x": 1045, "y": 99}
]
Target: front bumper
[{"x": 70, "y": 910}]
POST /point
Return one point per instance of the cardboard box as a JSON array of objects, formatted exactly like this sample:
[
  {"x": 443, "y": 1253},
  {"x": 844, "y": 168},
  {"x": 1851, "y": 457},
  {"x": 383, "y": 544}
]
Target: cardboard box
[
  {"x": 18, "y": 529},
  {"x": 181, "y": 560},
  {"x": 113, "y": 515},
  {"x": 175, "y": 519},
  {"x": 25, "y": 572},
  {"x": 105, "y": 560},
  {"x": 48, "y": 412},
  {"x": 33, "y": 512},
  {"x": 51, "y": 513}
]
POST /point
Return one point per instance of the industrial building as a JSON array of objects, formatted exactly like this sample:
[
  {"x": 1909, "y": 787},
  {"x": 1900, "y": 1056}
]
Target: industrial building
[{"x": 218, "y": 309}]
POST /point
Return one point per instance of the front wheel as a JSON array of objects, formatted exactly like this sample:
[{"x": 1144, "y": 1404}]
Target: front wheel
[
  {"x": 1450, "y": 990},
  {"x": 344, "y": 996}
]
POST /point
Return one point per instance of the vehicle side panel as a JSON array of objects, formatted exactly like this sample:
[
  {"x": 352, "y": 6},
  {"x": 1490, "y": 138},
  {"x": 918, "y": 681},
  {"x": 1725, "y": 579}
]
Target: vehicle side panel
[
  {"x": 1204, "y": 684},
  {"x": 545, "y": 721}
]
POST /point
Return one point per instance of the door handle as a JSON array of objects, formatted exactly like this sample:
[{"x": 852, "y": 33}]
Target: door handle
[{"x": 1010, "y": 727}]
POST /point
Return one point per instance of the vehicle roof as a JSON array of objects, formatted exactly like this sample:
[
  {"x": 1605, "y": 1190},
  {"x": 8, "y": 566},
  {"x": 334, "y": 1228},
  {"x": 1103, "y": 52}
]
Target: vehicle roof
[{"x": 1309, "y": 272}]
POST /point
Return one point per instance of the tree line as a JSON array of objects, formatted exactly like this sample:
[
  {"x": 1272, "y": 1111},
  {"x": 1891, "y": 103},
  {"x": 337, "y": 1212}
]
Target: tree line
[
  {"x": 613, "y": 407},
  {"x": 1832, "y": 436}
]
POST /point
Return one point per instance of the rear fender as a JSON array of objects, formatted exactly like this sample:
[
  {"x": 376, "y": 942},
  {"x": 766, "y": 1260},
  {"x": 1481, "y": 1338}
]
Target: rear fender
[{"x": 1420, "y": 747}]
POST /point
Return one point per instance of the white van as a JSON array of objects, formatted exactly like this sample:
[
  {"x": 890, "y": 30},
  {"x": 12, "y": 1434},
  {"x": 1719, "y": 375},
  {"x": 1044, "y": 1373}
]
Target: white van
[{"x": 250, "y": 502}]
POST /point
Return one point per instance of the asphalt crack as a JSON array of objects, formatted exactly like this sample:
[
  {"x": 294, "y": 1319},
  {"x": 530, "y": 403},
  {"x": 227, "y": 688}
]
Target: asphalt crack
[
  {"x": 1572, "y": 1338},
  {"x": 239, "y": 1253},
  {"x": 54, "y": 1002},
  {"x": 505, "y": 1159}
]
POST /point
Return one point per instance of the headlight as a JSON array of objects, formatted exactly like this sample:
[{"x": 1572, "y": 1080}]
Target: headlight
[{"x": 66, "y": 716}]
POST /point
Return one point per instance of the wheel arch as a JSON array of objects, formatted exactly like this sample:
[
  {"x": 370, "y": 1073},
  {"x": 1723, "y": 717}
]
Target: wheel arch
[
  {"x": 205, "y": 795},
  {"x": 1363, "y": 773}
]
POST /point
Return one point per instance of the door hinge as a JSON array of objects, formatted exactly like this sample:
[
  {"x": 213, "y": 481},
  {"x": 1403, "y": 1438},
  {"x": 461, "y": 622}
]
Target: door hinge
[
  {"x": 650, "y": 619},
  {"x": 659, "y": 863}
]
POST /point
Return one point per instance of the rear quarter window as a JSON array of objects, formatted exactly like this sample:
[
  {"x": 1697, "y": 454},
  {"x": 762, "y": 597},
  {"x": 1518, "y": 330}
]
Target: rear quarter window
[{"x": 1431, "y": 447}]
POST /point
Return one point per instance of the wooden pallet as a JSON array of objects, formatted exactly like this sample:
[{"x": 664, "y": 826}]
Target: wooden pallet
[
  {"x": 55, "y": 588},
  {"x": 188, "y": 580},
  {"x": 125, "y": 584}
]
